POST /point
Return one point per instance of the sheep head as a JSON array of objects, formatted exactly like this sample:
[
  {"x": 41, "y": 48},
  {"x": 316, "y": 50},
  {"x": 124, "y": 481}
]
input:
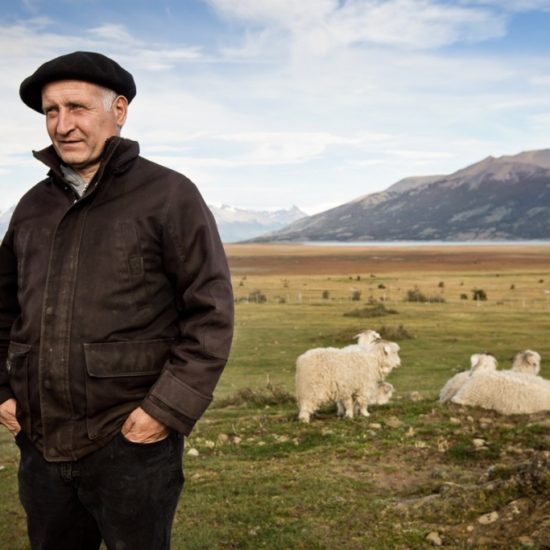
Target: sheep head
[
  {"x": 527, "y": 361},
  {"x": 389, "y": 359},
  {"x": 367, "y": 338},
  {"x": 483, "y": 361},
  {"x": 384, "y": 392}
]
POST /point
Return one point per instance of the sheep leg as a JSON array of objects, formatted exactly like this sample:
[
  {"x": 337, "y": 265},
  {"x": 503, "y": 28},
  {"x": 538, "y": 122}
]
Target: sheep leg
[
  {"x": 362, "y": 405},
  {"x": 348, "y": 407},
  {"x": 304, "y": 414},
  {"x": 340, "y": 408}
]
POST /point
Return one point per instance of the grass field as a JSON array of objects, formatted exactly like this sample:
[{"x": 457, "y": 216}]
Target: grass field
[{"x": 414, "y": 474}]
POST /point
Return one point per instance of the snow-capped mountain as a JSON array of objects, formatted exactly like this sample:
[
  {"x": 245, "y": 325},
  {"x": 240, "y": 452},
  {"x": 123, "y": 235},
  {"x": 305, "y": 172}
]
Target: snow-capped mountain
[{"x": 234, "y": 224}]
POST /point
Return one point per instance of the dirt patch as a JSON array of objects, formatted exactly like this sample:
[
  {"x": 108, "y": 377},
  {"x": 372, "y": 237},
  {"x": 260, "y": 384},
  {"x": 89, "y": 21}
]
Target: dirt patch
[{"x": 330, "y": 260}]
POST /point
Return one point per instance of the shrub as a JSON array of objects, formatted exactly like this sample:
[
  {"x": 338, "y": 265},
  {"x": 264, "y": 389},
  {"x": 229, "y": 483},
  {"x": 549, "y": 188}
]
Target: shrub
[
  {"x": 479, "y": 294},
  {"x": 355, "y": 295},
  {"x": 381, "y": 286},
  {"x": 441, "y": 284},
  {"x": 258, "y": 397},
  {"x": 257, "y": 296},
  {"x": 394, "y": 333},
  {"x": 463, "y": 296},
  {"x": 326, "y": 295},
  {"x": 415, "y": 295},
  {"x": 379, "y": 310}
]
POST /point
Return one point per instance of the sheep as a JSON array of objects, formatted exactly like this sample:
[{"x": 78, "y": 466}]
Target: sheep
[
  {"x": 364, "y": 340},
  {"x": 527, "y": 361},
  {"x": 367, "y": 337},
  {"x": 507, "y": 392},
  {"x": 479, "y": 362},
  {"x": 325, "y": 375},
  {"x": 380, "y": 396}
]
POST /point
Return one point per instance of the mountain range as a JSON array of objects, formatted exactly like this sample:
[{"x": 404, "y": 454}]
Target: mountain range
[
  {"x": 237, "y": 224},
  {"x": 504, "y": 198},
  {"x": 234, "y": 224}
]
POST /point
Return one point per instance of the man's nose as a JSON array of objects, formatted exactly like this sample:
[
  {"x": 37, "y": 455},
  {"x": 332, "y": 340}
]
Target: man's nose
[{"x": 65, "y": 122}]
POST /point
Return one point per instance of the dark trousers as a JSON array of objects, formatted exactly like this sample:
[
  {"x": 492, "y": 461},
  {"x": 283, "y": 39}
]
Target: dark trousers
[{"x": 125, "y": 494}]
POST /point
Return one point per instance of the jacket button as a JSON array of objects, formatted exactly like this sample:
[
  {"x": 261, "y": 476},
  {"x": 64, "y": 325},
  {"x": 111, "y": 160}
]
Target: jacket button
[
  {"x": 47, "y": 384},
  {"x": 49, "y": 310}
]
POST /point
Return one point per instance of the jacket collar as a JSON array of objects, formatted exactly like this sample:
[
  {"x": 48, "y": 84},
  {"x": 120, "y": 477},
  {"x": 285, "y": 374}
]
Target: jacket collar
[{"x": 118, "y": 154}]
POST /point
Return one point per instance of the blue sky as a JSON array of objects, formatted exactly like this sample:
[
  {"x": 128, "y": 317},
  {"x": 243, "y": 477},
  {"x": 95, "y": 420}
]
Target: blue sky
[{"x": 270, "y": 103}]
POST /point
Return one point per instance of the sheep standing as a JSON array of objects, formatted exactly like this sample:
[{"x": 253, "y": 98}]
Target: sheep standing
[
  {"x": 326, "y": 375},
  {"x": 507, "y": 392},
  {"x": 378, "y": 396},
  {"x": 367, "y": 337},
  {"x": 479, "y": 362},
  {"x": 527, "y": 361}
]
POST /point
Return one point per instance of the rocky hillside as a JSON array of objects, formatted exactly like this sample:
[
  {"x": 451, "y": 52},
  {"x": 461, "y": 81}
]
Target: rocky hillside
[{"x": 505, "y": 198}]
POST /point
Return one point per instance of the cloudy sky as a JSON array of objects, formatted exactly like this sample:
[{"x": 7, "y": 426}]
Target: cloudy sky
[{"x": 270, "y": 103}]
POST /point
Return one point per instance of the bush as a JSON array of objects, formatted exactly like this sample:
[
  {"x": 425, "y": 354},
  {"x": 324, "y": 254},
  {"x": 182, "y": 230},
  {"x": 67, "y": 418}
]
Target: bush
[
  {"x": 463, "y": 296},
  {"x": 257, "y": 296},
  {"x": 394, "y": 333},
  {"x": 415, "y": 295},
  {"x": 381, "y": 286},
  {"x": 479, "y": 294},
  {"x": 355, "y": 295},
  {"x": 326, "y": 295},
  {"x": 259, "y": 397},
  {"x": 379, "y": 310}
]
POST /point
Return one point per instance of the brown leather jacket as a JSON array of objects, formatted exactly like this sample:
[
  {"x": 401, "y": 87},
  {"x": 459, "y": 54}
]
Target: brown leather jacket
[{"x": 117, "y": 300}]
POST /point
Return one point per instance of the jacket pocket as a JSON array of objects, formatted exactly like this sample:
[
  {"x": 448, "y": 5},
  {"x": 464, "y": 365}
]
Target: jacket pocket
[
  {"x": 119, "y": 376},
  {"x": 17, "y": 366}
]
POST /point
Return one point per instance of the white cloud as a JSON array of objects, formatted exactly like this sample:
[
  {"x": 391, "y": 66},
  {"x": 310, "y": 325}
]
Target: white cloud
[
  {"x": 116, "y": 33},
  {"x": 512, "y": 5},
  {"x": 320, "y": 26},
  {"x": 312, "y": 104}
]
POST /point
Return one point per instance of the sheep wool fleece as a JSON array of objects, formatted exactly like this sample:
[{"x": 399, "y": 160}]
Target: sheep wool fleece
[{"x": 119, "y": 299}]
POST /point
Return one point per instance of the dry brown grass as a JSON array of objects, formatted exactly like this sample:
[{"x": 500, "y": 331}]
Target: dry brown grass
[{"x": 296, "y": 259}]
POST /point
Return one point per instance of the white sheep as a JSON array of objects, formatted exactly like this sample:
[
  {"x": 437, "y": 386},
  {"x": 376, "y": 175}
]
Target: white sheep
[
  {"x": 364, "y": 340},
  {"x": 326, "y": 375},
  {"x": 479, "y": 362},
  {"x": 380, "y": 396},
  {"x": 527, "y": 361},
  {"x": 507, "y": 392},
  {"x": 367, "y": 337}
]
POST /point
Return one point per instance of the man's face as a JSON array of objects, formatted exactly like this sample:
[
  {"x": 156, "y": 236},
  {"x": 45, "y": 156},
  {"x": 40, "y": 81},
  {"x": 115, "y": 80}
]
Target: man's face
[{"x": 78, "y": 123}]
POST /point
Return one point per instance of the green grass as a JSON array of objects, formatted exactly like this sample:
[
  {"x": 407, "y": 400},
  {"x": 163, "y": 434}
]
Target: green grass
[{"x": 264, "y": 480}]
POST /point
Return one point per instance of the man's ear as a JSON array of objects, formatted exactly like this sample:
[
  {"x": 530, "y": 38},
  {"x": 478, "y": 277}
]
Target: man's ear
[{"x": 120, "y": 108}]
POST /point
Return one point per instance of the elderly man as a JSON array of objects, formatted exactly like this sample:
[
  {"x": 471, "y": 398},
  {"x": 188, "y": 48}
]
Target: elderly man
[{"x": 116, "y": 318}]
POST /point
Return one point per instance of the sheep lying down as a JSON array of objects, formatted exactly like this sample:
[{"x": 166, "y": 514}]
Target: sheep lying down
[
  {"x": 507, "y": 392},
  {"x": 527, "y": 361},
  {"x": 350, "y": 375},
  {"x": 479, "y": 362}
]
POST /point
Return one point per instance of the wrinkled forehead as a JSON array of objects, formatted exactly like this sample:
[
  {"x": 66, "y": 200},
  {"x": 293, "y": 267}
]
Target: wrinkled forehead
[{"x": 62, "y": 91}]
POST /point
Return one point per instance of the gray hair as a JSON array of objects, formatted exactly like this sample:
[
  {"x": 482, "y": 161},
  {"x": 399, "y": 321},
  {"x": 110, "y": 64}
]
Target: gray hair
[{"x": 108, "y": 99}]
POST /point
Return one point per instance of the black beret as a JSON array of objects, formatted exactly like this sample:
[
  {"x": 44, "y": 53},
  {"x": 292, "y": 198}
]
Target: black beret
[{"x": 88, "y": 66}]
